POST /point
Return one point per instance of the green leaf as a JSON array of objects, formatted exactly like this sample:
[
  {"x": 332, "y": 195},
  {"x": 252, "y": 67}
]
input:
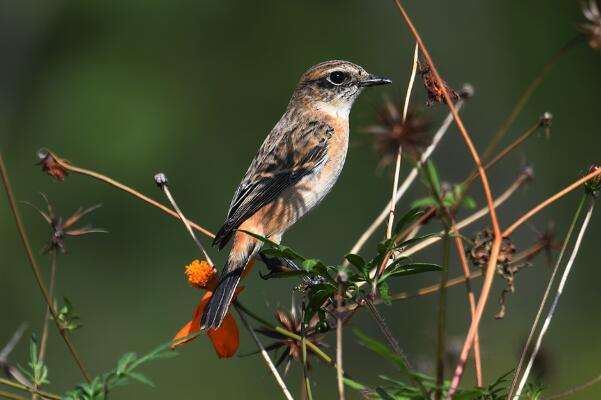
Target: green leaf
[
  {"x": 285, "y": 274},
  {"x": 318, "y": 294},
  {"x": 356, "y": 260},
  {"x": 433, "y": 175},
  {"x": 353, "y": 384},
  {"x": 124, "y": 362},
  {"x": 407, "y": 219},
  {"x": 384, "y": 290},
  {"x": 409, "y": 269},
  {"x": 425, "y": 202},
  {"x": 137, "y": 376}
]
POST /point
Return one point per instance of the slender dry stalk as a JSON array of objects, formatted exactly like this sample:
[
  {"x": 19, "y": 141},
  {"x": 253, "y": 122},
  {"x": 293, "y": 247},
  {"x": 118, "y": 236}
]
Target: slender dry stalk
[
  {"x": 266, "y": 357},
  {"x": 470, "y": 297},
  {"x": 496, "y": 246},
  {"x": 558, "y": 294},
  {"x": 550, "y": 200},
  {"x": 397, "y": 168},
  {"x": 339, "y": 327},
  {"x": 103, "y": 178},
  {"x": 521, "y": 103},
  {"x": 51, "y": 284},
  {"x": 308, "y": 390},
  {"x": 162, "y": 182},
  {"x": 546, "y": 295},
  {"x": 442, "y": 300},
  {"x": 36, "y": 271},
  {"x": 10, "y": 396},
  {"x": 576, "y": 389}
]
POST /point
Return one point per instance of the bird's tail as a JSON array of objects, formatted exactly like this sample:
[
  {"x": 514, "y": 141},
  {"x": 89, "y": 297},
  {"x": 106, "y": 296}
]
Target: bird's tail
[{"x": 216, "y": 309}]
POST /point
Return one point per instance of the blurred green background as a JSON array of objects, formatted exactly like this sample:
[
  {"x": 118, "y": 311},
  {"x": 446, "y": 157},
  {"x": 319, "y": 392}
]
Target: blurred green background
[{"x": 191, "y": 89}]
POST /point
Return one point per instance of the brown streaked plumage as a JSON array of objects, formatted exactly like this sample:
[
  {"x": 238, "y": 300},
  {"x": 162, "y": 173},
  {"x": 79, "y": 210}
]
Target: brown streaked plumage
[{"x": 296, "y": 166}]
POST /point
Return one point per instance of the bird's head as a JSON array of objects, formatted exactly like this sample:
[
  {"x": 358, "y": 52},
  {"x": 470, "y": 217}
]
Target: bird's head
[{"x": 333, "y": 86}]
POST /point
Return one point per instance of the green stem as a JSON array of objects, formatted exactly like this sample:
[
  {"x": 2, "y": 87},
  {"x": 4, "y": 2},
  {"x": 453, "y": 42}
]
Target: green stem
[
  {"x": 304, "y": 354},
  {"x": 36, "y": 271},
  {"x": 316, "y": 350},
  {"x": 442, "y": 300},
  {"x": 10, "y": 396},
  {"x": 16, "y": 385},
  {"x": 395, "y": 347}
]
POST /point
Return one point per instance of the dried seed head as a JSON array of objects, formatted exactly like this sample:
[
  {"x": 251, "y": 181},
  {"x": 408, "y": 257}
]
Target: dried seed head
[
  {"x": 434, "y": 89},
  {"x": 593, "y": 186},
  {"x": 391, "y": 133},
  {"x": 545, "y": 122},
  {"x": 592, "y": 28},
  {"x": 51, "y": 166},
  {"x": 292, "y": 349}
]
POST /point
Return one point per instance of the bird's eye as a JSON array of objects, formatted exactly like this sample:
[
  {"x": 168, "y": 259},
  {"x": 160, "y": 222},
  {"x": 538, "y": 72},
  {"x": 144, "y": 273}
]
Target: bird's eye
[{"x": 337, "y": 77}]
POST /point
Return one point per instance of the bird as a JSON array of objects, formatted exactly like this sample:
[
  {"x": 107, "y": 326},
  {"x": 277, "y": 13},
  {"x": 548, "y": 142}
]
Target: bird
[{"x": 297, "y": 165}]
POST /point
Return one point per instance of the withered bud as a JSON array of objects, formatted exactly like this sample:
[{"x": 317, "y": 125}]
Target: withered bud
[
  {"x": 592, "y": 28},
  {"x": 51, "y": 166},
  {"x": 593, "y": 186},
  {"x": 161, "y": 179},
  {"x": 545, "y": 122},
  {"x": 434, "y": 89}
]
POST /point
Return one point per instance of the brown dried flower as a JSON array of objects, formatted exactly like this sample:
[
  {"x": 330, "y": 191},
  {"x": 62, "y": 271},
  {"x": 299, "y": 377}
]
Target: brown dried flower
[
  {"x": 51, "y": 166},
  {"x": 435, "y": 91},
  {"x": 593, "y": 186},
  {"x": 479, "y": 253},
  {"x": 292, "y": 349},
  {"x": 61, "y": 229},
  {"x": 390, "y": 132},
  {"x": 592, "y": 29}
]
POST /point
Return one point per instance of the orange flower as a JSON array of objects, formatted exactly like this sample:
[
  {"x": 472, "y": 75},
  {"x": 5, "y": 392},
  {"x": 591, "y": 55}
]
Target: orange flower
[{"x": 226, "y": 338}]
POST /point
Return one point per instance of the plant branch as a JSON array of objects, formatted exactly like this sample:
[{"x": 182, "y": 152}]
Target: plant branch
[
  {"x": 576, "y": 389},
  {"x": 36, "y": 271},
  {"x": 442, "y": 300},
  {"x": 266, "y": 357},
  {"x": 550, "y": 200},
  {"x": 19, "y": 386},
  {"x": 546, "y": 295},
  {"x": 103, "y": 178},
  {"x": 558, "y": 294},
  {"x": 519, "y": 106}
]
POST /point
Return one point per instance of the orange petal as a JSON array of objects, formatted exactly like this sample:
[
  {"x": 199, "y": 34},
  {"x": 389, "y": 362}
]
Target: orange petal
[
  {"x": 194, "y": 325},
  {"x": 226, "y": 338}
]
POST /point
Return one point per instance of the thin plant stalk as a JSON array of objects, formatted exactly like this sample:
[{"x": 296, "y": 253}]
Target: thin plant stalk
[
  {"x": 36, "y": 271},
  {"x": 470, "y": 296},
  {"x": 558, "y": 294},
  {"x": 550, "y": 200},
  {"x": 311, "y": 346},
  {"x": 51, "y": 284},
  {"x": 547, "y": 293},
  {"x": 521, "y": 103},
  {"x": 161, "y": 180},
  {"x": 266, "y": 357},
  {"x": 400, "y": 149},
  {"x": 103, "y": 178},
  {"x": 442, "y": 300},
  {"x": 402, "y": 189},
  {"x": 496, "y": 245},
  {"x": 10, "y": 396},
  {"x": 18, "y": 386},
  {"x": 405, "y": 366},
  {"x": 308, "y": 390},
  {"x": 576, "y": 389},
  {"x": 339, "y": 328}
]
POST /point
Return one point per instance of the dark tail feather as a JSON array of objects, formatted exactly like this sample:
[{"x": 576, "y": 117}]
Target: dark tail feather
[{"x": 215, "y": 311}]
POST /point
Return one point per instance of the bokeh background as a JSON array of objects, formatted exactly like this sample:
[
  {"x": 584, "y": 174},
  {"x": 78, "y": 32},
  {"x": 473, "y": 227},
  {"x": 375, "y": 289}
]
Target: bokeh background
[{"x": 191, "y": 89}]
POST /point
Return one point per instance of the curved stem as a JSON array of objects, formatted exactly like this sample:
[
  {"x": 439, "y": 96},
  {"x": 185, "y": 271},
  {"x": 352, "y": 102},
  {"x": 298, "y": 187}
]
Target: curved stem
[
  {"x": 127, "y": 189},
  {"x": 36, "y": 271},
  {"x": 18, "y": 386}
]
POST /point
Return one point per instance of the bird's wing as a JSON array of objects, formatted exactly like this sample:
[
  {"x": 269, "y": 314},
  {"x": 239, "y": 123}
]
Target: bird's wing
[{"x": 284, "y": 158}]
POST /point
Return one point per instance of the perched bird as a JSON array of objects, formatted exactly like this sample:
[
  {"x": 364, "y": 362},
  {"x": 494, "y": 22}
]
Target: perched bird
[{"x": 296, "y": 166}]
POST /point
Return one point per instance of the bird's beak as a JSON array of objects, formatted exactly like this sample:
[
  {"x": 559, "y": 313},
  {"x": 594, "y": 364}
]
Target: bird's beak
[{"x": 374, "y": 81}]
